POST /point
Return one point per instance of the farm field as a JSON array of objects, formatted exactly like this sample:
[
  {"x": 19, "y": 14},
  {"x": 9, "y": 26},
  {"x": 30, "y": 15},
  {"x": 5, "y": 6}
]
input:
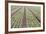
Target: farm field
[{"x": 25, "y": 16}]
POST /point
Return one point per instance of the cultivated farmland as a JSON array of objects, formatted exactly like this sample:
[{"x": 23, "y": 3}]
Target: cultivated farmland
[{"x": 25, "y": 16}]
